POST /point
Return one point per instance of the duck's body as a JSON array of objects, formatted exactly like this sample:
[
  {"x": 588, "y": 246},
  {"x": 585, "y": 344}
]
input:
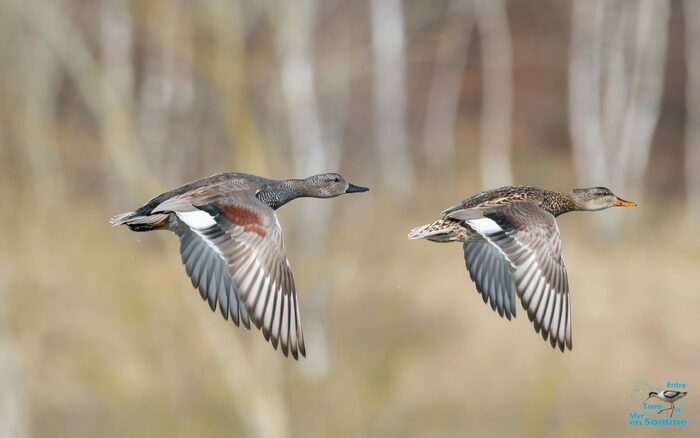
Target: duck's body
[
  {"x": 447, "y": 229},
  {"x": 668, "y": 396},
  {"x": 232, "y": 247},
  {"x": 511, "y": 245}
]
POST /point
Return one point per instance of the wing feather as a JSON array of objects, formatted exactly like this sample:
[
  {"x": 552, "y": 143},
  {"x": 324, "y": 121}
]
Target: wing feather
[
  {"x": 489, "y": 270},
  {"x": 234, "y": 255},
  {"x": 254, "y": 252},
  {"x": 528, "y": 239},
  {"x": 193, "y": 249}
]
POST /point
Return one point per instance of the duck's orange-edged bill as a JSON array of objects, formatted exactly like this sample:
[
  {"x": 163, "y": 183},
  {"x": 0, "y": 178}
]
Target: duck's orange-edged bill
[{"x": 623, "y": 203}]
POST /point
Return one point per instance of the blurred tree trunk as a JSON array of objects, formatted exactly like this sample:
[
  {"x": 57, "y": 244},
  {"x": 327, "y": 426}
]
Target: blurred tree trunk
[
  {"x": 13, "y": 421},
  {"x": 316, "y": 138},
  {"x": 166, "y": 95},
  {"x": 106, "y": 93},
  {"x": 612, "y": 57},
  {"x": 497, "y": 56},
  {"x": 442, "y": 109},
  {"x": 294, "y": 25},
  {"x": 229, "y": 71},
  {"x": 584, "y": 93},
  {"x": 117, "y": 91},
  {"x": 616, "y": 72},
  {"x": 13, "y": 415},
  {"x": 390, "y": 128},
  {"x": 43, "y": 169},
  {"x": 646, "y": 89},
  {"x": 692, "y": 124}
]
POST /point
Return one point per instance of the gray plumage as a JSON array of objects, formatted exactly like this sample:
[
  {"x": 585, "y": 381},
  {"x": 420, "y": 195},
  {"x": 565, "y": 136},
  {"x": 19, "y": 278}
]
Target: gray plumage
[
  {"x": 232, "y": 247},
  {"x": 490, "y": 272},
  {"x": 209, "y": 274}
]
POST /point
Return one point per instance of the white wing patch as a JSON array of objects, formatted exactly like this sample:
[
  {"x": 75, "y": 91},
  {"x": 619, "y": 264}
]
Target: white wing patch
[
  {"x": 484, "y": 225},
  {"x": 197, "y": 220}
]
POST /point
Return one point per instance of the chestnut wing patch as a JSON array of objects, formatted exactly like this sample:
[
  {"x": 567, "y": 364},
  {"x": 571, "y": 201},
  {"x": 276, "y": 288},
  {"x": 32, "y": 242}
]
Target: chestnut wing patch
[
  {"x": 253, "y": 250},
  {"x": 241, "y": 216}
]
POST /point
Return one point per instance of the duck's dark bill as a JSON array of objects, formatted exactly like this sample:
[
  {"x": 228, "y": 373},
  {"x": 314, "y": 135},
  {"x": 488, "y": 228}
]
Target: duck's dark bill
[{"x": 352, "y": 188}]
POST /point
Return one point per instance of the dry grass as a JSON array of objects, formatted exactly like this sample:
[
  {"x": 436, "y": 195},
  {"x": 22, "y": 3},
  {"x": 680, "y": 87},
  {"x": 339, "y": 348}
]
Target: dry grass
[{"x": 114, "y": 341}]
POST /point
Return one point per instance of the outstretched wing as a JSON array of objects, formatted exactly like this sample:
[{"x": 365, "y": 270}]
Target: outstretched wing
[
  {"x": 246, "y": 236},
  {"x": 490, "y": 271},
  {"x": 209, "y": 274},
  {"x": 528, "y": 237}
]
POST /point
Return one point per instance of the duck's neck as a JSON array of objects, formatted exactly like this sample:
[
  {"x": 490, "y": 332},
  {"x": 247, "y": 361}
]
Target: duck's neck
[
  {"x": 559, "y": 203},
  {"x": 277, "y": 193}
]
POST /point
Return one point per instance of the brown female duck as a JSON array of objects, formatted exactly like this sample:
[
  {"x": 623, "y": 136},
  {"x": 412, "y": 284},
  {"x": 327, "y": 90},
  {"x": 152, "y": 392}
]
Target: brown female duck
[
  {"x": 232, "y": 247},
  {"x": 511, "y": 245}
]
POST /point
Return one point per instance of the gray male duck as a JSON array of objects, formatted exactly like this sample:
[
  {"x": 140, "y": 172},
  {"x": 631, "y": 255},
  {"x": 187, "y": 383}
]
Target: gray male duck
[
  {"x": 511, "y": 245},
  {"x": 232, "y": 248}
]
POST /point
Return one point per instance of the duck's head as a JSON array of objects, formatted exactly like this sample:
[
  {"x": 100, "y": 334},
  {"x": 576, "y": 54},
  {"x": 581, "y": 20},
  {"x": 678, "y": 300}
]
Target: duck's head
[
  {"x": 597, "y": 198},
  {"x": 329, "y": 185}
]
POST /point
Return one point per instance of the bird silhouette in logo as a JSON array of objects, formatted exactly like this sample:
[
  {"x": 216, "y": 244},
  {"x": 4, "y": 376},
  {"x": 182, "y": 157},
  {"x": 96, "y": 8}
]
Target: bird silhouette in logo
[{"x": 668, "y": 396}]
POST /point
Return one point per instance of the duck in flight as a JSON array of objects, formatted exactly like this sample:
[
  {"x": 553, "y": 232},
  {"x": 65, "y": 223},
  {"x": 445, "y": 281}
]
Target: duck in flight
[
  {"x": 511, "y": 246},
  {"x": 232, "y": 248}
]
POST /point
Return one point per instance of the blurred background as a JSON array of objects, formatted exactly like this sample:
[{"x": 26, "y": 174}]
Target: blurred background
[{"x": 104, "y": 104}]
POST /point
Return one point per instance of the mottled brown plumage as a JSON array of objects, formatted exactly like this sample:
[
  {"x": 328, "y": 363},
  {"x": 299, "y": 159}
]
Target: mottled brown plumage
[{"x": 511, "y": 245}]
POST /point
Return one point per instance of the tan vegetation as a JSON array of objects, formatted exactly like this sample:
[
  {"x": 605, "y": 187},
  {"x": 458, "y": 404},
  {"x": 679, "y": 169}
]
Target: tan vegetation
[{"x": 106, "y": 103}]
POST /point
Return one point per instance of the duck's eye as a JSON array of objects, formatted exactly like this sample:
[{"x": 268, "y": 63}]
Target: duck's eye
[{"x": 336, "y": 179}]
